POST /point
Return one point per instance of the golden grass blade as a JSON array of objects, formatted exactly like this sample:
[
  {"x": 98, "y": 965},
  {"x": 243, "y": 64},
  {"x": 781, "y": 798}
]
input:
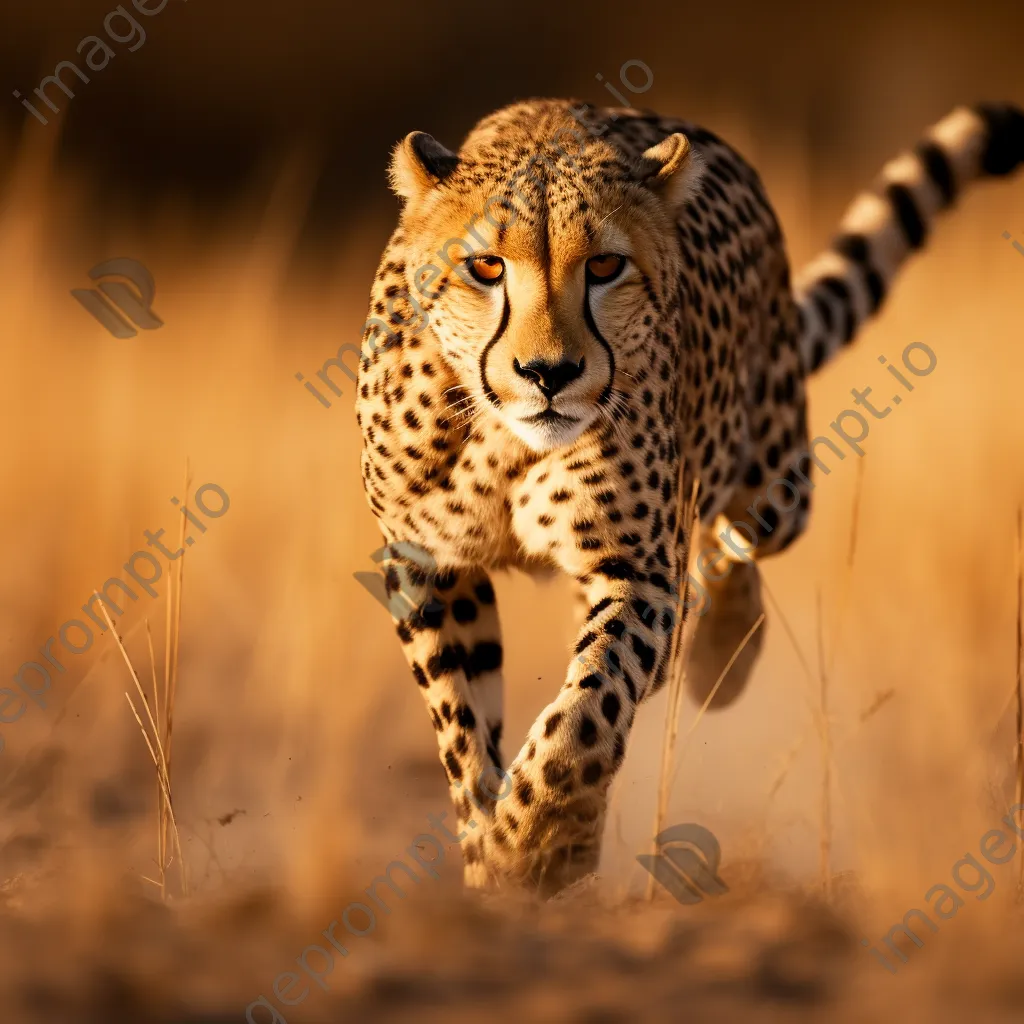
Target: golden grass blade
[
  {"x": 725, "y": 671},
  {"x": 881, "y": 699},
  {"x": 1020, "y": 679},
  {"x": 850, "y": 552},
  {"x": 152, "y": 666},
  {"x": 168, "y": 632},
  {"x": 825, "y": 845},
  {"x": 679, "y": 656},
  {"x": 171, "y": 651},
  {"x": 714, "y": 689},
  {"x": 160, "y": 852},
  {"x": 160, "y": 762},
  {"x": 168, "y": 646},
  {"x": 162, "y": 780},
  {"x": 180, "y": 571},
  {"x": 787, "y": 763},
  {"x": 812, "y": 707}
]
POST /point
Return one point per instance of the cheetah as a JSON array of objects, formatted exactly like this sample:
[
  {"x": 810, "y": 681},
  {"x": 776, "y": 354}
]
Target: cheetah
[{"x": 590, "y": 319}]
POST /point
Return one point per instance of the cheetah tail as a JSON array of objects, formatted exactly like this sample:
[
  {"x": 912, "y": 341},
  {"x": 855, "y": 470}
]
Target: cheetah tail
[{"x": 846, "y": 284}]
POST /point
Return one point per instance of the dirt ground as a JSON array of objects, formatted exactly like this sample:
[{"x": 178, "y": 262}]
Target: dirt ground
[{"x": 582, "y": 958}]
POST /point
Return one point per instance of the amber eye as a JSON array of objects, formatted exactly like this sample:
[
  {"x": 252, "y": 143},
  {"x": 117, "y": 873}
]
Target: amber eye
[
  {"x": 487, "y": 269},
  {"x": 605, "y": 267}
]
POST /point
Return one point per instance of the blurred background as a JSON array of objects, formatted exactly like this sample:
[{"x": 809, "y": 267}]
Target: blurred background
[{"x": 240, "y": 153}]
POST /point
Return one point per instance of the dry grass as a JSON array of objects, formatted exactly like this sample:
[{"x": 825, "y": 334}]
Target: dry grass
[
  {"x": 825, "y": 840},
  {"x": 158, "y": 735},
  {"x": 1019, "y": 750},
  {"x": 682, "y": 642}
]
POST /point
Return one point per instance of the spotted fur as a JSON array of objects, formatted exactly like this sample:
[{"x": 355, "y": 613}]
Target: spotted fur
[{"x": 554, "y": 421}]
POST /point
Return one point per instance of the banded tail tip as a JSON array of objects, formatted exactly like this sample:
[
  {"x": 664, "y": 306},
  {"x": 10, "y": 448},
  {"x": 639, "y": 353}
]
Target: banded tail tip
[{"x": 1004, "y": 144}]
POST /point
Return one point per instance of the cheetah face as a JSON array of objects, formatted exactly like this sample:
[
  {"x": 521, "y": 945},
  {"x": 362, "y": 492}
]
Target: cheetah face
[
  {"x": 539, "y": 354},
  {"x": 544, "y": 306}
]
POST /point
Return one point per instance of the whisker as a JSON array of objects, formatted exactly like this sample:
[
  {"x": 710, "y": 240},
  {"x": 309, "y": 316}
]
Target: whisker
[{"x": 616, "y": 210}]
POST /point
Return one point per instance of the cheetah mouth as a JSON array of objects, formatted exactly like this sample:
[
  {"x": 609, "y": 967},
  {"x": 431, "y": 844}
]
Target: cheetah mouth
[{"x": 550, "y": 416}]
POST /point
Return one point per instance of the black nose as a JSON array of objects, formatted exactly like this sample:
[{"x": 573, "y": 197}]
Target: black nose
[{"x": 549, "y": 377}]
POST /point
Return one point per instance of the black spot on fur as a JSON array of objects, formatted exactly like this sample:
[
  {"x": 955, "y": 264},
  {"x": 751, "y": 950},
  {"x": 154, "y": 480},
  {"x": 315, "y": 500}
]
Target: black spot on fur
[
  {"x": 644, "y": 612},
  {"x": 555, "y": 772},
  {"x": 644, "y": 652},
  {"x": 453, "y": 766},
  {"x": 552, "y": 723},
  {"x": 610, "y": 708},
  {"x": 486, "y": 656},
  {"x": 615, "y": 569},
  {"x": 450, "y": 659},
  {"x": 588, "y": 731},
  {"x": 463, "y": 610},
  {"x": 446, "y": 579}
]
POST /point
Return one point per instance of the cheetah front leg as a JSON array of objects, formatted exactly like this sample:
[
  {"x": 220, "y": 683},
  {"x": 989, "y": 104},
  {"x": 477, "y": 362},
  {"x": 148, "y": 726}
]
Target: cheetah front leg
[
  {"x": 549, "y": 833},
  {"x": 447, "y": 621}
]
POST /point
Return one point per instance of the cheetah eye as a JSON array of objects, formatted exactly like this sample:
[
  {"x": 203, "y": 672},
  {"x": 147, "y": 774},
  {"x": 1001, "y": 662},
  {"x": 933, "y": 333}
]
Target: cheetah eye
[
  {"x": 487, "y": 269},
  {"x": 604, "y": 268}
]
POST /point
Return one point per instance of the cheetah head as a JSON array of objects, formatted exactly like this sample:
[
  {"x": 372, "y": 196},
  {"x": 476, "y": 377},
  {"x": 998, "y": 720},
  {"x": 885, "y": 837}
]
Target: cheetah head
[{"x": 548, "y": 263}]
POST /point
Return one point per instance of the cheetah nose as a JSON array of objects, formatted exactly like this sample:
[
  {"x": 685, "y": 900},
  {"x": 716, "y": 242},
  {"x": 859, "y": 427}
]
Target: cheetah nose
[{"x": 549, "y": 377}]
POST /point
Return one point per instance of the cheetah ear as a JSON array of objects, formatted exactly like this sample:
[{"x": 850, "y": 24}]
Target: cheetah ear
[
  {"x": 673, "y": 169},
  {"x": 418, "y": 163}
]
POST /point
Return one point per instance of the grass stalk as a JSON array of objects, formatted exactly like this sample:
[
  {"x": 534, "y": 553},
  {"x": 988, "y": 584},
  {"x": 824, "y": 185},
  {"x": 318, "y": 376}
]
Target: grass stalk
[
  {"x": 825, "y": 841},
  {"x": 157, "y": 754},
  {"x": 161, "y": 853},
  {"x": 171, "y": 657},
  {"x": 679, "y": 656},
  {"x": 718, "y": 682},
  {"x": 851, "y": 551},
  {"x": 1020, "y": 680}
]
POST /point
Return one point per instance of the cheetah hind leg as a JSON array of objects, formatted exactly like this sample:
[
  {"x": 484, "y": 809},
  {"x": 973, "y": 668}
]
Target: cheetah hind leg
[{"x": 735, "y": 604}]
